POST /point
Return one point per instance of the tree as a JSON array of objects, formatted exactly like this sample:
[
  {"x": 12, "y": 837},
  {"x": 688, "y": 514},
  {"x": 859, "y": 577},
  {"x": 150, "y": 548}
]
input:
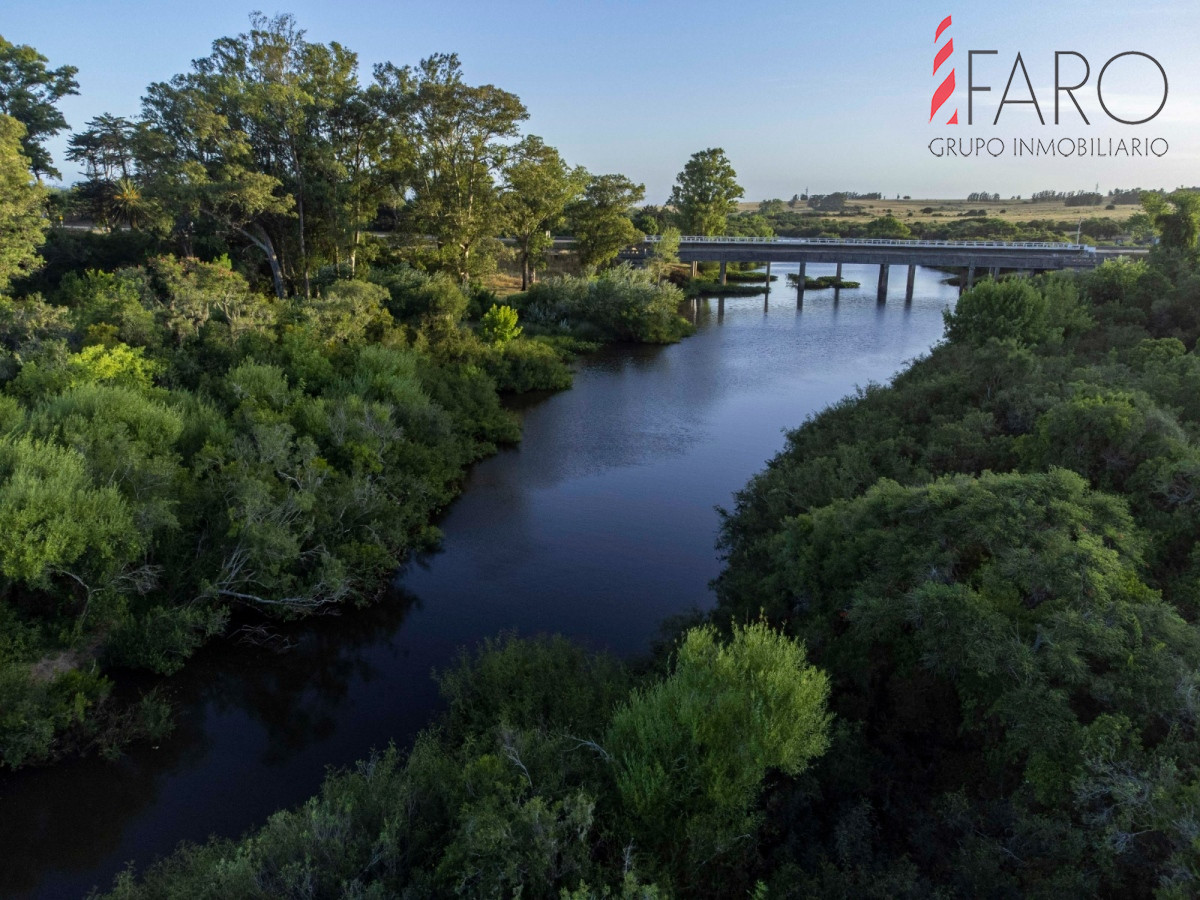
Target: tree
[
  {"x": 1006, "y": 310},
  {"x": 106, "y": 149},
  {"x": 690, "y": 753},
  {"x": 22, "y": 225},
  {"x": 665, "y": 255},
  {"x": 272, "y": 138},
  {"x": 1140, "y": 227},
  {"x": 651, "y": 219},
  {"x": 204, "y": 170},
  {"x": 539, "y": 187},
  {"x": 499, "y": 325},
  {"x": 705, "y": 193},
  {"x": 56, "y": 522},
  {"x": 601, "y": 220},
  {"x": 454, "y": 135},
  {"x": 1176, "y": 216},
  {"x": 748, "y": 225},
  {"x": 887, "y": 227},
  {"x": 28, "y": 93}
]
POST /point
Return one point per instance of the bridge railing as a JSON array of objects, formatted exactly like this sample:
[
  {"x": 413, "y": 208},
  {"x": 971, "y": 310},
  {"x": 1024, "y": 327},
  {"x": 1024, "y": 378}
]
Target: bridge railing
[{"x": 883, "y": 242}]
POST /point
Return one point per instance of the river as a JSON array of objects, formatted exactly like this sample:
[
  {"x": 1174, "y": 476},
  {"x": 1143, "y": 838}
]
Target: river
[{"x": 601, "y": 524}]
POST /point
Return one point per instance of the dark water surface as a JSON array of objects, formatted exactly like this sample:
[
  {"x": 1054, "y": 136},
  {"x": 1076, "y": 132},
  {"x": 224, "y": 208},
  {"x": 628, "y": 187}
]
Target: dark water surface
[{"x": 599, "y": 526}]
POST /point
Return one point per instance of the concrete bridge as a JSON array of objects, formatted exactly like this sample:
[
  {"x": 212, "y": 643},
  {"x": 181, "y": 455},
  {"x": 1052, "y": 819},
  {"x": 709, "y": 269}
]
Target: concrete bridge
[{"x": 969, "y": 256}]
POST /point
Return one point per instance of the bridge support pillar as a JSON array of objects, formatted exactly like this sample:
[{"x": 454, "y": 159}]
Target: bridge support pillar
[
  {"x": 800, "y": 278},
  {"x": 722, "y": 271},
  {"x": 768, "y": 278},
  {"x": 839, "y": 276},
  {"x": 995, "y": 273},
  {"x": 908, "y": 288},
  {"x": 695, "y": 269},
  {"x": 970, "y": 277},
  {"x": 881, "y": 295}
]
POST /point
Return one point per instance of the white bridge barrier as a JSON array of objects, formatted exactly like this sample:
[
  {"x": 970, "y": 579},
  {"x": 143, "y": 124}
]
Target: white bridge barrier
[{"x": 883, "y": 242}]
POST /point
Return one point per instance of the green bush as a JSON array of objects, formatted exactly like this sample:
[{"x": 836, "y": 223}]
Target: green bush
[
  {"x": 1002, "y": 310},
  {"x": 499, "y": 325},
  {"x": 619, "y": 304}
]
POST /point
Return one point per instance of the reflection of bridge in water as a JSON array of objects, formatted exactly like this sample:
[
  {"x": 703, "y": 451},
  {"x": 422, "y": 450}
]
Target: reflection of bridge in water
[{"x": 968, "y": 256}]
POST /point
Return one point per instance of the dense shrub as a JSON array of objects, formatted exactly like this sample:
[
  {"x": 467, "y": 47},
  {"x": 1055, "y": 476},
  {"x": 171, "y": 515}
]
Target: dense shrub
[
  {"x": 995, "y": 560},
  {"x": 619, "y": 304}
]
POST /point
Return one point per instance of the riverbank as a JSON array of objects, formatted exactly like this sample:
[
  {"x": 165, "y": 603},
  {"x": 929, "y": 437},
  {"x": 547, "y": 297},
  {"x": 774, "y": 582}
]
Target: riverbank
[
  {"x": 543, "y": 741},
  {"x": 304, "y": 447},
  {"x": 600, "y": 525}
]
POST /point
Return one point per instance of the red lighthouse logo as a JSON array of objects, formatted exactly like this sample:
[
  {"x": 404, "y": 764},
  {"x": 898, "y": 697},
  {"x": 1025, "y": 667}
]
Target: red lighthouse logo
[{"x": 946, "y": 88}]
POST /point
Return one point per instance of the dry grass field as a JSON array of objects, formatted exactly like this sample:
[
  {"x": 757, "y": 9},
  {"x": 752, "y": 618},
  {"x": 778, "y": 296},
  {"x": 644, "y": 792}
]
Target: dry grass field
[
  {"x": 506, "y": 279},
  {"x": 1009, "y": 210}
]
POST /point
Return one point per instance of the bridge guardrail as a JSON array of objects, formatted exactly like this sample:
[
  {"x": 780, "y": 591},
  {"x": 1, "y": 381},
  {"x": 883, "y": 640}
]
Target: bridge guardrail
[{"x": 883, "y": 242}]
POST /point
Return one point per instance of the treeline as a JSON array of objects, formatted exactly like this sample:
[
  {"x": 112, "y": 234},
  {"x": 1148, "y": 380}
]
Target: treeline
[
  {"x": 994, "y": 561},
  {"x": 1138, "y": 227},
  {"x": 272, "y": 146},
  {"x": 176, "y": 446},
  {"x": 263, "y": 423},
  {"x": 1069, "y": 198}
]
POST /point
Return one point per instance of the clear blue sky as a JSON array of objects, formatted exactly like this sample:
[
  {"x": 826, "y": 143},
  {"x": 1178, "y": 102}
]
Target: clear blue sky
[{"x": 825, "y": 95}]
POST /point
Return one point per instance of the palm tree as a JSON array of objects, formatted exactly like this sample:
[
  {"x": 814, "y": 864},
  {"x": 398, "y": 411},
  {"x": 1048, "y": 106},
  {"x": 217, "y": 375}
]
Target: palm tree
[{"x": 127, "y": 202}]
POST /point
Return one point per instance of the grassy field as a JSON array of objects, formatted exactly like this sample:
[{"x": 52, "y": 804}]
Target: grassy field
[
  {"x": 508, "y": 279},
  {"x": 1009, "y": 210}
]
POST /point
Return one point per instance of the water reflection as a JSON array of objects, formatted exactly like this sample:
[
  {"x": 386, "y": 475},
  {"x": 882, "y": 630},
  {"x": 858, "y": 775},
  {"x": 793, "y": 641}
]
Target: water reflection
[
  {"x": 242, "y": 708},
  {"x": 599, "y": 526}
]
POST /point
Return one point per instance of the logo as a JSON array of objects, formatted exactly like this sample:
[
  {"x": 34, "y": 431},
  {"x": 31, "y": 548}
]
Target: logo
[
  {"x": 946, "y": 88},
  {"x": 1072, "y": 101}
]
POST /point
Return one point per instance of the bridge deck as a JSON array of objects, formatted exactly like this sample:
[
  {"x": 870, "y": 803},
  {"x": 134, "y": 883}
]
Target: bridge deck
[{"x": 879, "y": 251}]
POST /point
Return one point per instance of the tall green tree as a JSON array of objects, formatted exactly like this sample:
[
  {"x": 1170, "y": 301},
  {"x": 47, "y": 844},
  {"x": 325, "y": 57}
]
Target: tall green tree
[
  {"x": 275, "y": 139},
  {"x": 1176, "y": 217},
  {"x": 455, "y": 140},
  {"x": 665, "y": 255},
  {"x": 22, "y": 225},
  {"x": 106, "y": 149},
  {"x": 601, "y": 221},
  {"x": 29, "y": 92},
  {"x": 201, "y": 168},
  {"x": 705, "y": 193},
  {"x": 538, "y": 188}
]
